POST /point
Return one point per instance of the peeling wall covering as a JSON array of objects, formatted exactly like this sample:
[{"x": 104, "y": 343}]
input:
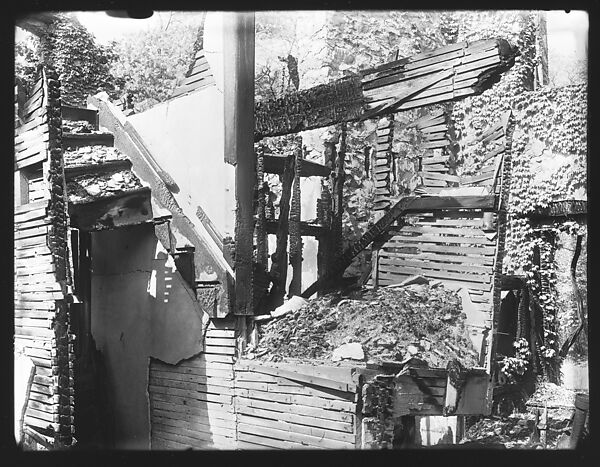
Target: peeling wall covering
[{"x": 141, "y": 308}]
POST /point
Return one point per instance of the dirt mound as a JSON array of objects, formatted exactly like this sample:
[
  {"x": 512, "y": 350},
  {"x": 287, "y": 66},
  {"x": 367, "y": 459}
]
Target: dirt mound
[{"x": 421, "y": 321}]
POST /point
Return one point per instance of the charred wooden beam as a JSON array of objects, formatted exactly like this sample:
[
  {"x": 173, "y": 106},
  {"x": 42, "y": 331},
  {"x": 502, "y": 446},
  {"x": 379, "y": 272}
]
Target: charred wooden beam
[
  {"x": 262, "y": 247},
  {"x": 446, "y": 74},
  {"x": 295, "y": 215},
  {"x": 324, "y": 218},
  {"x": 564, "y": 208},
  {"x": 339, "y": 176},
  {"x": 57, "y": 241},
  {"x": 307, "y": 228},
  {"x": 278, "y": 272},
  {"x": 316, "y": 107},
  {"x": 238, "y": 67},
  {"x": 273, "y": 164},
  {"x": 578, "y": 301}
]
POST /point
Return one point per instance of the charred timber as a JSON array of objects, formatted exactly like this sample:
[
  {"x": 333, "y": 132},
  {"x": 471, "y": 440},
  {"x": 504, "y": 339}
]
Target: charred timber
[
  {"x": 566, "y": 208},
  {"x": 262, "y": 192},
  {"x": 316, "y": 107},
  {"x": 295, "y": 215},
  {"x": 446, "y": 74},
  {"x": 338, "y": 178},
  {"x": 278, "y": 271}
]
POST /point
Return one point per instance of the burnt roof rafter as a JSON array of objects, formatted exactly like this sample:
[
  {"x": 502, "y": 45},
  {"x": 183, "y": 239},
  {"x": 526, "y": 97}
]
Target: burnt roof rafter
[{"x": 441, "y": 75}]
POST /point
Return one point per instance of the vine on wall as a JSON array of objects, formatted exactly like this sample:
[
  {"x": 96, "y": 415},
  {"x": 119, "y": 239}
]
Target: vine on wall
[
  {"x": 548, "y": 156},
  {"x": 84, "y": 67}
]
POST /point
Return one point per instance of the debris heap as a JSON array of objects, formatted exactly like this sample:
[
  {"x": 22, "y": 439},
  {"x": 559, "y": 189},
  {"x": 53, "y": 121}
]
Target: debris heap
[
  {"x": 89, "y": 187},
  {"x": 420, "y": 321},
  {"x": 95, "y": 172},
  {"x": 78, "y": 126},
  {"x": 87, "y": 155}
]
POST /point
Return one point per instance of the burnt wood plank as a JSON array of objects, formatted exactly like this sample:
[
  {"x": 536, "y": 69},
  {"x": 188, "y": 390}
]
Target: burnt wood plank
[{"x": 344, "y": 100}]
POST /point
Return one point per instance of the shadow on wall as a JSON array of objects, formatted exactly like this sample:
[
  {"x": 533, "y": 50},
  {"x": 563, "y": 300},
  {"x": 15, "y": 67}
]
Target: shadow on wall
[{"x": 141, "y": 308}]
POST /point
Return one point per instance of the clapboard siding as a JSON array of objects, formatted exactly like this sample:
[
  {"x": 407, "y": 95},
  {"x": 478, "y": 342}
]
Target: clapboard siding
[
  {"x": 441, "y": 246},
  {"x": 279, "y": 412},
  {"x": 199, "y": 76},
  {"x": 450, "y": 246},
  {"x": 192, "y": 403},
  {"x": 40, "y": 292}
]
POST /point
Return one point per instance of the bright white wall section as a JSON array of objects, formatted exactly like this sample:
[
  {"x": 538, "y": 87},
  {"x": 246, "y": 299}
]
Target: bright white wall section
[{"x": 185, "y": 136}]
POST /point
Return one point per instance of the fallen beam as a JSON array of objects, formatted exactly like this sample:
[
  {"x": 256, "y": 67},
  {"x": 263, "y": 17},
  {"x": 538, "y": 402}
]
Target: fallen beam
[{"x": 427, "y": 78}]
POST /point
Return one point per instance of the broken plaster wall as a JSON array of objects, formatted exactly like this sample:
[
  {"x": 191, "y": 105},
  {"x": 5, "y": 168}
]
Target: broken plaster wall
[
  {"x": 141, "y": 308},
  {"x": 208, "y": 260}
]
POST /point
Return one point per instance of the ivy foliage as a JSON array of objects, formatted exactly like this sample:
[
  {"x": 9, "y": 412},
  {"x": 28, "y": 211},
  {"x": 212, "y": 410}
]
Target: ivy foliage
[
  {"x": 149, "y": 64},
  {"x": 549, "y": 155},
  {"x": 83, "y": 66}
]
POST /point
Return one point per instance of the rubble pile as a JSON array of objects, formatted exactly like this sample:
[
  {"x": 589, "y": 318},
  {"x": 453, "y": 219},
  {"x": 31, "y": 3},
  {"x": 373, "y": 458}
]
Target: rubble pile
[
  {"x": 420, "y": 321},
  {"x": 89, "y": 187},
  {"x": 517, "y": 431},
  {"x": 92, "y": 155},
  {"x": 77, "y": 126},
  {"x": 552, "y": 395}
]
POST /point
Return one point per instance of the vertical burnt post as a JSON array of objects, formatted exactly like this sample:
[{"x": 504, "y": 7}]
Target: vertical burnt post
[
  {"x": 324, "y": 218},
  {"x": 278, "y": 272},
  {"x": 367, "y": 154},
  {"x": 295, "y": 216},
  {"x": 262, "y": 188},
  {"x": 260, "y": 279},
  {"x": 338, "y": 179},
  {"x": 238, "y": 68}
]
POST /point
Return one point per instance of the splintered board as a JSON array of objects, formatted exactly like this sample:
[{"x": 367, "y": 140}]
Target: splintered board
[
  {"x": 191, "y": 403},
  {"x": 282, "y": 406}
]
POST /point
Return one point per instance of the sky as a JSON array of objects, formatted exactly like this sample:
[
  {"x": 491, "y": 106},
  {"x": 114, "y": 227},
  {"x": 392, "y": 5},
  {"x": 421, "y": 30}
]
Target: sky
[
  {"x": 567, "y": 34},
  {"x": 107, "y": 28}
]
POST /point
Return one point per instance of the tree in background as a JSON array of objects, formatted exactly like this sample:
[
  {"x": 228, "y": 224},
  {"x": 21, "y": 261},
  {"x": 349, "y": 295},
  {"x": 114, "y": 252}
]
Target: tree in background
[
  {"x": 27, "y": 60},
  {"x": 149, "y": 64}
]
